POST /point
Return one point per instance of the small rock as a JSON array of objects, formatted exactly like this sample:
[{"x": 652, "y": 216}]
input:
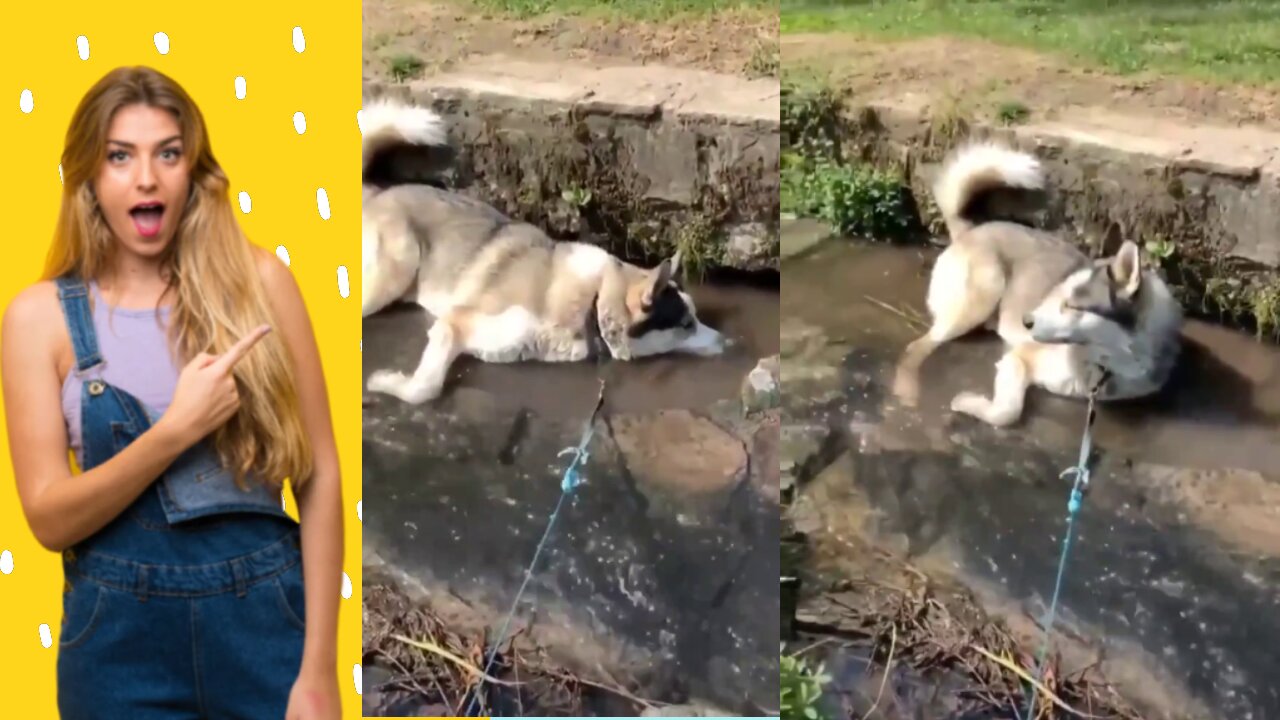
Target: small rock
[
  {"x": 679, "y": 451},
  {"x": 760, "y": 389},
  {"x": 764, "y": 458},
  {"x": 750, "y": 247}
]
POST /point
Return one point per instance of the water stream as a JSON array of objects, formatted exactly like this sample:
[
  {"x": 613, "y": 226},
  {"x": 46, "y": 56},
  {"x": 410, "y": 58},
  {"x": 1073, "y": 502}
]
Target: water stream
[
  {"x": 665, "y": 562},
  {"x": 1175, "y": 576}
]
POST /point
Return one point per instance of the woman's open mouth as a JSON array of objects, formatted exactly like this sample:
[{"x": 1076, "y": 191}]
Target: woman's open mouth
[{"x": 147, "y": 218}]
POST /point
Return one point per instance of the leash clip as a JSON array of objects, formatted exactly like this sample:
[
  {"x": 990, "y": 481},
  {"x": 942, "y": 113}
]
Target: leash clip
[{"x": 572, "y": 478}]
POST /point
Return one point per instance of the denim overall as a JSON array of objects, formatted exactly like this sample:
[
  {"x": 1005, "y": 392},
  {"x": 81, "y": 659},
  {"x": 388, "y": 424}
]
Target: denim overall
[{"x": 190, "y": 603}]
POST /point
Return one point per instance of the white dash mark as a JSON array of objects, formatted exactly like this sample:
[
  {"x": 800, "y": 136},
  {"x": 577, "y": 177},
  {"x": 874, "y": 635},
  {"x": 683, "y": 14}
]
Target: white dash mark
[
  {"x": 299, "y": 42},
  {"x": 162, "y": 43},
  {"x": 359, "y": 683},
  {"x": 360, "y": 120},
  {"x": 283, "y": 253},
  {"x": 6, "y": 562},
  {"x": 299, "y": 122},
  {"x": 246, "y": 202},
  {"x": 346, "y": 586},
  {"x": 60, "y": 173},
  {"x": 82, "y": 47},
  {"x": 240, "y": 87},
  {"x": 46, "y": 637},
  {"x": 360, "y": 503},
  {"x": 322, "y": 201},
  {"x": 344, "y": 286},
  {"x": 26, "y": 103}
]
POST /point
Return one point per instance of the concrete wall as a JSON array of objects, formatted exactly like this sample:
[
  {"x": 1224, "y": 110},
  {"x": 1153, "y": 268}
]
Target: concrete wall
[
  {"x": 1208, "y": 196},
  {"x": 640, "y": 159}
]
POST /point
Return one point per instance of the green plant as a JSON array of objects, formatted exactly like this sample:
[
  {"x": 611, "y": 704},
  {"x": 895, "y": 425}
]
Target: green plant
[
  {"x": 855, "y": 200},
  {"x": 1012, "y": 112},
  {"x": 801, "y": 687},
  {"x": 576, "y": 196},
  {"x": 1160, "y": 248},
  {"x": 696, "y": 239},
  {"x": 405, "y": 66},
  {"x": 810, "y": 115}
]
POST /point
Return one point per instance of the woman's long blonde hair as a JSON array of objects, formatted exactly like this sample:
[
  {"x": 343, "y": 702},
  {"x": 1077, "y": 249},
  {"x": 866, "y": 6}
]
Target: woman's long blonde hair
[{"x": 219, "y": 297}]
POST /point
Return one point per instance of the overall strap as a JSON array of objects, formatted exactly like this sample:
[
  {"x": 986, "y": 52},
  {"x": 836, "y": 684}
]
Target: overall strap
[{"x": 73, "y": 294}]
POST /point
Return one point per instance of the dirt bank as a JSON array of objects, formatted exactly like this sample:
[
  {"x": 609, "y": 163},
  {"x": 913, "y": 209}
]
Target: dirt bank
[{"x": 441, "y": 36}]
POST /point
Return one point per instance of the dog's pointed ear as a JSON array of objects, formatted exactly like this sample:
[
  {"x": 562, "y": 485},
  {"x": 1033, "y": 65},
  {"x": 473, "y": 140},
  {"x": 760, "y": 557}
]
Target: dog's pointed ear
[
  {"x": 656, "y": 282},
  {"x": 1126, "y": 269}
]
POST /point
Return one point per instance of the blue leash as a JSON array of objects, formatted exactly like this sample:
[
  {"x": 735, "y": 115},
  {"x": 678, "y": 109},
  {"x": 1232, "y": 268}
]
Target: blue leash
[
  {"x": 569, "y": 482},
  {"x": 1081, "y": 474}
]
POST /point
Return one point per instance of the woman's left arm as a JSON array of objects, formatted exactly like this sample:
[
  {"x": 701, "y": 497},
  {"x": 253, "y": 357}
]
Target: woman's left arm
[{"x": 315, "y": 694}]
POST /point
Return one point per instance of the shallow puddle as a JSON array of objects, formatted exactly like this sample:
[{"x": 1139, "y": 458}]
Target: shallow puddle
[
  {"x": 1174, "y": 576},
  {"x": 664, "y": 562}
]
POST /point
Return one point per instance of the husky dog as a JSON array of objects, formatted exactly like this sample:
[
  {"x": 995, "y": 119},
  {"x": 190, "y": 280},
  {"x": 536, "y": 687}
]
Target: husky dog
[
  {"x": 497, "y": 289},
  {"x": 1070, "y": 324}
]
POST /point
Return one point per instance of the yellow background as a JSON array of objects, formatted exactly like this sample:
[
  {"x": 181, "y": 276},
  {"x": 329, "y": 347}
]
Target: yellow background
[{"x": 255, "y": 140}]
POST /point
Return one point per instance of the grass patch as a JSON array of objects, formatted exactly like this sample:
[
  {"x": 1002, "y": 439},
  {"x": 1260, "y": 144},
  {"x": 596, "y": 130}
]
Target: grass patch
[
  {"x": 817, "y": 181},
  {"x": 809, "y": 111},
  {"x": 404, "y": 67},
  {"x": 853, "y": 199},
  {"x": 699, "y": 244},
  {"x": 639, "y": 9},
  {"x": 1234, "y": 41},
  {"x": 1012, "y": 112}
]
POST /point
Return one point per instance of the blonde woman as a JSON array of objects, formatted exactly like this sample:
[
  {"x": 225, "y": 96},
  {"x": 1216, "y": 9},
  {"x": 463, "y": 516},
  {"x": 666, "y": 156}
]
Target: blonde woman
[{"x": 177, "y": 363}]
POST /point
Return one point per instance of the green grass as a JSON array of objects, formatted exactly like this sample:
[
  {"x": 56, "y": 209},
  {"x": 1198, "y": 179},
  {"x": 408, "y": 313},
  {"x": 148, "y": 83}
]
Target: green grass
[
  {"x": 801, "y": 688},
  {"x": 1012, "y": 112},
  {"x": 1234, "y": 41},
  {"x": 854, "y": 199},
  {"x": 640, "y": 9},
  {"x": 405, "y": 67}
]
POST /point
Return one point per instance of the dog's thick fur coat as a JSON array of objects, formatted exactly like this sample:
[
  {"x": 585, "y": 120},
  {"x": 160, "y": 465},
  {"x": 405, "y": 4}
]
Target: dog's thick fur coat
[
  {"x": 1063, "y": 317},
  {"x": 496, "y": 289}
]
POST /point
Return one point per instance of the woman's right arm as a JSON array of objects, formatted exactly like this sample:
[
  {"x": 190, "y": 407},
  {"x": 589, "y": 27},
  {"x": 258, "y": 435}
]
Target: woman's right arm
[{"x": 63, "y": 509}]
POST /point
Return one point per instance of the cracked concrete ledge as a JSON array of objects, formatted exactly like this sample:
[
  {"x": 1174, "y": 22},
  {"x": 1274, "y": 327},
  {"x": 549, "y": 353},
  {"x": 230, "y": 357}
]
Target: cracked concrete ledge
[{"x": 641, "y": 159}]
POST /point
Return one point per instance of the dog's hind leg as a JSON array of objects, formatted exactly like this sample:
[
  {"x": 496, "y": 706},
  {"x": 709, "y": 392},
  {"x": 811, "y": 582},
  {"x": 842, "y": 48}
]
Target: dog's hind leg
[
  {"x": 1013, "y": 377},
  {"x": 427, "y": 382},
  {"x": 964, "y": 291}
]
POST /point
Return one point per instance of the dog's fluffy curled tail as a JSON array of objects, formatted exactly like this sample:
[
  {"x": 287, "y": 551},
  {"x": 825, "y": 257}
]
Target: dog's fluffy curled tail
[
  {"x": 403, "y": 143},
  {"x": 976, "y": 170}
]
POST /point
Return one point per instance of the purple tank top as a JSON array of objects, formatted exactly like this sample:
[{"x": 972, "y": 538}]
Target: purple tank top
[{"x": 135, "y": 348}]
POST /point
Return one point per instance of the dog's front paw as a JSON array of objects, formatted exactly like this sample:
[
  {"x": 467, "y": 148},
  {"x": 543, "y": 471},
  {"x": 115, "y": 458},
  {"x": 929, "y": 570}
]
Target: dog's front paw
[
  {"x": 386, "y": 381},
  {"x": 401, "y": 386},
  {"x": 906, "y": 387},
  {"x": 970, "y": 404}
]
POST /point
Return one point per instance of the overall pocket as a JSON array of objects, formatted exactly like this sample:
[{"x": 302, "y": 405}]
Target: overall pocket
[
  {"x": 81, "y": 610},
  {"x": 291, "y": 593}
]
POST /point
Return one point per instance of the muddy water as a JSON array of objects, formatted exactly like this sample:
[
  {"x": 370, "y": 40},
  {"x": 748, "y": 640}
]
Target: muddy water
[
  {"x": 670, "y": 581},
  {"x": 1175, "y": 577}
]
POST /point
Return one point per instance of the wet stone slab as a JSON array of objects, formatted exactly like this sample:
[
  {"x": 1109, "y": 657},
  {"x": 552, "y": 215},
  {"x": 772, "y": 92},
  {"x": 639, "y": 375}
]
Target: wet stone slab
[{"x": 662, "y": 566}]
